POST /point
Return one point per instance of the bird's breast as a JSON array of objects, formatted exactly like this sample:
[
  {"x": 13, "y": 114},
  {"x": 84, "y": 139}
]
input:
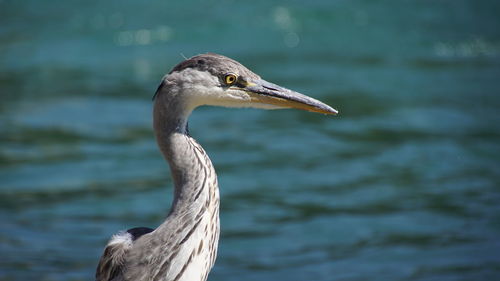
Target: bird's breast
[{"x": 201, "y": 249}]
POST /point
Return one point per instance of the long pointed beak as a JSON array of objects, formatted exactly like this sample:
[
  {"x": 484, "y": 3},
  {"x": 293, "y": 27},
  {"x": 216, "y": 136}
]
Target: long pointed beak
[{"x": 269, "y": 93}]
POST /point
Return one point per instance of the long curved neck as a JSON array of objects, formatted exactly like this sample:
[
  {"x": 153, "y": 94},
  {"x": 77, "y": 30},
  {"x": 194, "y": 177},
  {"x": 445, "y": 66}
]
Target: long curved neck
[
  {"x": 190, "y": 233},
  {"x": 189, "y": 164}
]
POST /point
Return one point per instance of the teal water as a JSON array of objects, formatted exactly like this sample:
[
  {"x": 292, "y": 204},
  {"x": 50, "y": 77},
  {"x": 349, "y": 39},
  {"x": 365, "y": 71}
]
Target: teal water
[{"x": 403, "y": 185}]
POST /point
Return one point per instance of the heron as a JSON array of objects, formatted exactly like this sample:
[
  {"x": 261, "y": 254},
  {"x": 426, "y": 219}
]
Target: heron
[{"x": 184, "y": 246}]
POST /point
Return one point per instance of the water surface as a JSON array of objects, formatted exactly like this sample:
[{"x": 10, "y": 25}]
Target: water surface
[{"x": 402, "y": 185}]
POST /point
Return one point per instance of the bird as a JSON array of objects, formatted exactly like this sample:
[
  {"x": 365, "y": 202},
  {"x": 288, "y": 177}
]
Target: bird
[{"x": 184, "y": 246}]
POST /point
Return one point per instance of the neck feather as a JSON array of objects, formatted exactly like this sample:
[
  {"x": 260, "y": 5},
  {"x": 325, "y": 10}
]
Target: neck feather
[{"x": 192, "y": 171}]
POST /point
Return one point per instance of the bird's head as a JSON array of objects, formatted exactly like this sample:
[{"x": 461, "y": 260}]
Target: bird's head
[{"x": 212, "y": 79}]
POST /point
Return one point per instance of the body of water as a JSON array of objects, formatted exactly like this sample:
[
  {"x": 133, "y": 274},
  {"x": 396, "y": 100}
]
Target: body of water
[{"x": 404, "y": 184}]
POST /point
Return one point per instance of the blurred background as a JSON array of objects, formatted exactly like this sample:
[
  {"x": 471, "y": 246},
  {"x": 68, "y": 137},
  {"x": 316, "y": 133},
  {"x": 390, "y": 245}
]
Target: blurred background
[{"x": 403, "y": 185}]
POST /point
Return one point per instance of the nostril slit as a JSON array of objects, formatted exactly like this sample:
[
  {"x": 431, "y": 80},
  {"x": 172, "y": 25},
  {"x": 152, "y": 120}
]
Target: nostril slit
[{"x": 270, "y": 88}]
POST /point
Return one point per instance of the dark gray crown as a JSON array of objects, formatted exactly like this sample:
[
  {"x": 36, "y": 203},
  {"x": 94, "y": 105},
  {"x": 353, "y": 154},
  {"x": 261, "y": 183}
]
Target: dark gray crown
[{"x": 215, "y": 64}]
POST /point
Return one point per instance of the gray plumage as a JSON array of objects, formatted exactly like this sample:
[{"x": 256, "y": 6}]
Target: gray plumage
[{"x": 184, "y": 246}]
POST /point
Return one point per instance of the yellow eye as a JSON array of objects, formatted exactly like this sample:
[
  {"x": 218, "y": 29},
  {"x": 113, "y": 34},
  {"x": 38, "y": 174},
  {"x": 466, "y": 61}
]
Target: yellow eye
[{"x": 230, "y": 79}]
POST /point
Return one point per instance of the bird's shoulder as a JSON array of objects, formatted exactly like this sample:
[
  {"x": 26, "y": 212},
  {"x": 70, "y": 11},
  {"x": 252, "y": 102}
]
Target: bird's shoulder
[{"x": 113, "y": 258}]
